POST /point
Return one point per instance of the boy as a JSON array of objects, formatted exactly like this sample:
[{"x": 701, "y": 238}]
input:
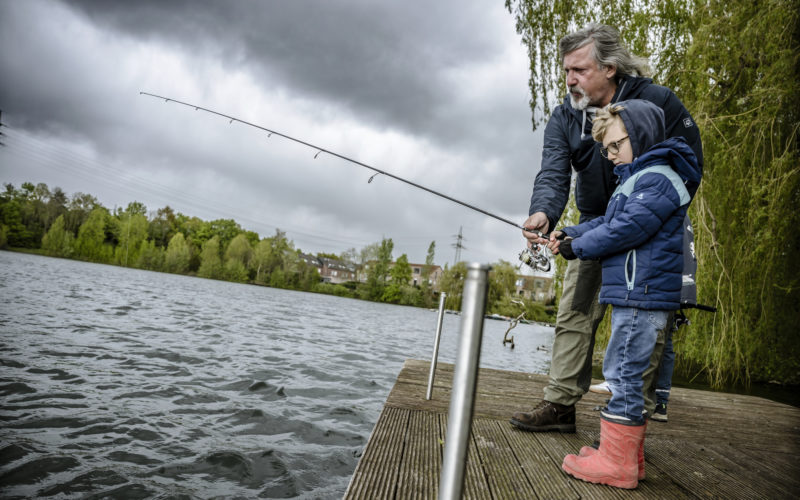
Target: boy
[{"x": 639, "y": 241}]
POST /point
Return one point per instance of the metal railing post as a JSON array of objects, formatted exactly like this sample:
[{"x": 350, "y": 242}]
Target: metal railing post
[
  {"x": 435, "y": 356},
  {"x": 462, "y": 402}
]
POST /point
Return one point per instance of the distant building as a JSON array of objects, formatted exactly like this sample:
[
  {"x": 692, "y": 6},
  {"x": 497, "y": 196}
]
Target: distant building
[
  {"x": 538, "y": 288},
  {"x": 433, "y": 278},
  {"x": 331, "y": 270},
  {"x": 417, "y": 271}
]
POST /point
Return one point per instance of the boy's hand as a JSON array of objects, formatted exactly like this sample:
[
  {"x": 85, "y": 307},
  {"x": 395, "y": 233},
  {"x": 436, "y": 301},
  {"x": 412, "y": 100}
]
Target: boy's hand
[{"x": 565, "y": 249}]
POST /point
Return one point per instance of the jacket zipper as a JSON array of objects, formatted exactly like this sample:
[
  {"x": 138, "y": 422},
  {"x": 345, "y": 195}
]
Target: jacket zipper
[{"x": 630, "y": 280}]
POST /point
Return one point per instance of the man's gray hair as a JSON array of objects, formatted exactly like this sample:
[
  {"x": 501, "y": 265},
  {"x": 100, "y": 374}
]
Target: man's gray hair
[{"x": 608, "y": 49}]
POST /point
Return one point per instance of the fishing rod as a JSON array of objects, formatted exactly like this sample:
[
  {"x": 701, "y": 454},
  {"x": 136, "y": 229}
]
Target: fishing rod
[{"x": 531, "y": 259}]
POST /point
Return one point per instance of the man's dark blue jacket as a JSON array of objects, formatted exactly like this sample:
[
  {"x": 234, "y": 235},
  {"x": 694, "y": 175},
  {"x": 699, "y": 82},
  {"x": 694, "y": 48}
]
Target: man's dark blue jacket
[
  {"x": 568, "y": 144},
  {"x": 640, "y": 237}
]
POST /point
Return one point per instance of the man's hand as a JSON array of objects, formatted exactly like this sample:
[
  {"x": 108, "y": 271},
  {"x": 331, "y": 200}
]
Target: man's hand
[{"x": 536, "y": 222}]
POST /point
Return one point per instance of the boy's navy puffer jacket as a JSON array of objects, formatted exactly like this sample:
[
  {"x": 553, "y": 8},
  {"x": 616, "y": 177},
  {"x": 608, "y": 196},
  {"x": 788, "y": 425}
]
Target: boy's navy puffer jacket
[{"x": 640, "y": 237}]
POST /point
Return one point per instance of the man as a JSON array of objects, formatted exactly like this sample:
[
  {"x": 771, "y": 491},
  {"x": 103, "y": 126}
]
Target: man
[{"x": 599, "y": 70}]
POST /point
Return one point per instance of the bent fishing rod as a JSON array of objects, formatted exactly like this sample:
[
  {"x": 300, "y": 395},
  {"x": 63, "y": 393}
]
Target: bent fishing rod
[
  {"x": 535, "y": 258},
  {"x": 342, "y": 157}
]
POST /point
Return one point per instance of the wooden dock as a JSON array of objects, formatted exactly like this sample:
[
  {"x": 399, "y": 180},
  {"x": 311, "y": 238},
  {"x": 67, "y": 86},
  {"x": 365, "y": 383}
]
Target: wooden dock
[{"x": 715, "y": 445}]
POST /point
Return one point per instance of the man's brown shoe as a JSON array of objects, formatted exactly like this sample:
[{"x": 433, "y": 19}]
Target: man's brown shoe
[{"x": 546, "y": 417}]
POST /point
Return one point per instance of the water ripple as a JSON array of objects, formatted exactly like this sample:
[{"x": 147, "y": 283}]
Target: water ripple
[{"x": 119, "y": 383}]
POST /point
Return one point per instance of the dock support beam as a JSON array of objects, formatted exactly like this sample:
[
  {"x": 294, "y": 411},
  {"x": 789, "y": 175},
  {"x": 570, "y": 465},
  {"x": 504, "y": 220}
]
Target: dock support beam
[
  {"x": 462, "y": 402},
  {"x": 435, "y": 356}
]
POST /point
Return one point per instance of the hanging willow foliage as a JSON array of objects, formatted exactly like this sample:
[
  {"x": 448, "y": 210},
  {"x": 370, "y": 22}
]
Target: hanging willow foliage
[{"x": 735, "y": 67}]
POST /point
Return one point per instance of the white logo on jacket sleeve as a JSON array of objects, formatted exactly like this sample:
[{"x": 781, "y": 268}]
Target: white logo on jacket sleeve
[
  {"x": 640, "y": 196},
  {"x": 687, "y": 122}
]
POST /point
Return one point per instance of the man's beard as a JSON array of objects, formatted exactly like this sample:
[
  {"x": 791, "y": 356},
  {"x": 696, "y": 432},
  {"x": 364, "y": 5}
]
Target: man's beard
[{"x": 583, "y": 102}]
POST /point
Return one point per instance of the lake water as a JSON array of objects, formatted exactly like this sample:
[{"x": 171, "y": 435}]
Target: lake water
[{"x": 121, "y": 383}]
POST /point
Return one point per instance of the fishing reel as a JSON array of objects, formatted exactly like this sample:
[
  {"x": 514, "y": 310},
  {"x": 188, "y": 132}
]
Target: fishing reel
[{"x": 537, "y": 258}]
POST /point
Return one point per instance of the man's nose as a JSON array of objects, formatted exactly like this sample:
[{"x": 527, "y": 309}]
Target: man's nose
[{"x": 571, "y": 80}]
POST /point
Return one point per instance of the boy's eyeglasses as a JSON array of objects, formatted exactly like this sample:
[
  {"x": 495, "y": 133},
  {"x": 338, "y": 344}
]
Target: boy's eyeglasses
[{"x": 613, "y": 147}]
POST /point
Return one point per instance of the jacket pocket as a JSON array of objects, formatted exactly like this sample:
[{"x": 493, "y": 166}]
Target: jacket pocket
[{"x": 630, "y": 269}]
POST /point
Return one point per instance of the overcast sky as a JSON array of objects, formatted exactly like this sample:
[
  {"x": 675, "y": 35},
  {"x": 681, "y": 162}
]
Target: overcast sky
[{"x": 435, "y": 92}]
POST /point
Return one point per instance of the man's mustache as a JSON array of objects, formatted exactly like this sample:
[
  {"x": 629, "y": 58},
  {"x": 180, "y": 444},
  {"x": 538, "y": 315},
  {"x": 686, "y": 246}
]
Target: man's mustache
[{"x": 577, "y": 89}]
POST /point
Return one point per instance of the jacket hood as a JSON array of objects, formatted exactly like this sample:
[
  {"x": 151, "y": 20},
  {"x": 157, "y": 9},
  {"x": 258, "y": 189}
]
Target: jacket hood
[
  {"x": 644, "y": 122},
  {"x": 674, "y": 152}
]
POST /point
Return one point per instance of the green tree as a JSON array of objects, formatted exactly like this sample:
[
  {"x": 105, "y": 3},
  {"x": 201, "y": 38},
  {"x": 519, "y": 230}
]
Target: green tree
[
  {"x": 369, "y": 252},
  {"x": 163, "y": 226},
  {"x": 226, "y": 229},
  {"x": 426, "y": 290},
  {"x": 259, "y": 262},
  {"x": 176, "y": 259},
  {"x": 452, "y": 283},
  {"x": 279, "y": 249},
  {"x": 277, "y": 278},
  {"x": 56, "y": 206},
  {"x": 237, "y": 258},
  {"x": 132, "y": 230},
  {"x": 17, "y": 233},
  {"x": 210, "y": 261},
  {"x": 78, "y": 210},
  {"x": 136, "y": 208},
  {"x": 308, "y": 278},
  {"x": 742, "y": 80},
  {"x": 91, "y": 242},
  {"x": 398, "y": 290},
  {"x": 291, "y": 270},
  {"x": 325, "y": 255},
  {"x": 378, "y": 271},
  {"x": 150, "y": 256},
  {"x": 58, "y": 242},
  {"x": 502, "y": 283}
]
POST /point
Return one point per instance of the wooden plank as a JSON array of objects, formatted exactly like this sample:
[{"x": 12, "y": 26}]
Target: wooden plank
[
  {"x": 376, "y": 475},
  {"x": 690, "y": 466},
  {"x": 475, "y": 485},
  {"x": 771, "y": 478},
  {"x": 422, "y": 457},
  {"x": 778, "y": 469},
  {"x": 503, "y": 472},
  {"x": 543, "y": 473}
]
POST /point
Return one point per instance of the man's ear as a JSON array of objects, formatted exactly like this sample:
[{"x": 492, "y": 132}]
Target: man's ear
[{"x": 611, "y": 71}]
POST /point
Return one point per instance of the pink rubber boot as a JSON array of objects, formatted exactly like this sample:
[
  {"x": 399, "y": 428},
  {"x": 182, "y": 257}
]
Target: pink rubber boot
[
  {"x": 615, "y": 463},
  {"x": 587, "y": 451}
]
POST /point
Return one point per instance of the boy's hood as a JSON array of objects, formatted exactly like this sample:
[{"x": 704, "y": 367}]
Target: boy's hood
[
  {"x": 674, "y": 152},
  {"x": 644, "y": 122}
]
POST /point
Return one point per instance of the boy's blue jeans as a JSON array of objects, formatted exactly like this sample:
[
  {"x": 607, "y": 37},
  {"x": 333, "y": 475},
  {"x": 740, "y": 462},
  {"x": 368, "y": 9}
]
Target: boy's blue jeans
[{"x": 633, "y": 337}]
